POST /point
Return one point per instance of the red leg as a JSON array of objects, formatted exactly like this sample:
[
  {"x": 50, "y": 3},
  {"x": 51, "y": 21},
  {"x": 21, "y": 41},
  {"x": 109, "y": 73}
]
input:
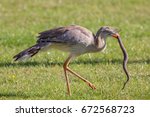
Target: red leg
[
  {"x": 66, "y": 75},
  {"x": 83, "y": 79},
  {"x": 66, "y": 68}
]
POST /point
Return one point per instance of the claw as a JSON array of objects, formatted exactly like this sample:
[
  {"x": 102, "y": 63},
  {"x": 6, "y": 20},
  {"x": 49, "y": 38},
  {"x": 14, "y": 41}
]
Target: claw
[{"x": 92, "y": 86}]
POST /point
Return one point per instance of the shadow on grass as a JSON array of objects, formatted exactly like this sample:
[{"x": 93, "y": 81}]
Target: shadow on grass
[
  {"x": 88, "y": 61},
  {"x": 13, "y": 95},
  {"x": 141, "y": 75}
]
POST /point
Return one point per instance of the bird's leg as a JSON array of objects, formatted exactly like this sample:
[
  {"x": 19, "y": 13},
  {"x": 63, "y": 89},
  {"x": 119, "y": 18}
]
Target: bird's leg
[
  {"x": 66, "y": 68},
  {"x": 88, "y": 82},
  {"x": 66, "y": 75}
]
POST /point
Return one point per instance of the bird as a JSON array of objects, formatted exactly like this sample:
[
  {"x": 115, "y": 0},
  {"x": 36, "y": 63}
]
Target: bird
[{"x": 74, "y": 39}]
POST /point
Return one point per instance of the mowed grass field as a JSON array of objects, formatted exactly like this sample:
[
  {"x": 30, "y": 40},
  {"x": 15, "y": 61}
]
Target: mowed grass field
[{"x": 42, "y": 76}]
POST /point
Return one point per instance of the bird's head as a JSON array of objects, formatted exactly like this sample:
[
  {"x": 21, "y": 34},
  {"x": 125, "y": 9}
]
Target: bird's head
[{"x": 106, "y": 31}]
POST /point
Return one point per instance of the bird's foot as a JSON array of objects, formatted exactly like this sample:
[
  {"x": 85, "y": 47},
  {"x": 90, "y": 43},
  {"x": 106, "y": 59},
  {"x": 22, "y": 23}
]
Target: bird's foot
[
  {"x": 91, "y": 85},
  {"x": 69, "y": 94}
]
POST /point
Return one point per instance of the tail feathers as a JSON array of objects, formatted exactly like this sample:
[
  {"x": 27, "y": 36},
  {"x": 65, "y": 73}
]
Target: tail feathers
[{"x": 28, "y": 53}]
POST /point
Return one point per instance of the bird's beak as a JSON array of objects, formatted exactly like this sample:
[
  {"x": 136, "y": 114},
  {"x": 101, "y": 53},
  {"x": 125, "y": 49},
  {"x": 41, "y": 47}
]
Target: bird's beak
[{"x": 116, "y": 35}]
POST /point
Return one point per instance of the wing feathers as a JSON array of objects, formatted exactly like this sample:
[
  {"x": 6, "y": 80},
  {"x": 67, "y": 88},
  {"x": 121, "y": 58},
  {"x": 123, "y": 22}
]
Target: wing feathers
[
  {"x": 64, "y": 34},
  {"x": 52, "y": 33}
]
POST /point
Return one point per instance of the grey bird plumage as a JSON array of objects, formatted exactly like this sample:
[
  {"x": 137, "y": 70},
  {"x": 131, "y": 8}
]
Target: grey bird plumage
[{"x": 74, "y": 39}]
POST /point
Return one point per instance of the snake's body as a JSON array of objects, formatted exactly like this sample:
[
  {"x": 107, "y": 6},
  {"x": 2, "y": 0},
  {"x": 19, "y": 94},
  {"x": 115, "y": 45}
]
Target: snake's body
[{"x": 125, "y": 60}]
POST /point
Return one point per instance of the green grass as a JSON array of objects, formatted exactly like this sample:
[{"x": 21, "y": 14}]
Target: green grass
[{"x": 42, "y": 76}]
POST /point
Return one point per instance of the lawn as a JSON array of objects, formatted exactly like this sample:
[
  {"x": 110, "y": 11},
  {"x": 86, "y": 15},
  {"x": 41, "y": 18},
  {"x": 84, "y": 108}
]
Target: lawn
[{"x": 42, "y": 76}]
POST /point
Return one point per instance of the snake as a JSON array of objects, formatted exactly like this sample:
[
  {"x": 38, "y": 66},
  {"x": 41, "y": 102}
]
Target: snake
[{"x": 125, "y": 60}]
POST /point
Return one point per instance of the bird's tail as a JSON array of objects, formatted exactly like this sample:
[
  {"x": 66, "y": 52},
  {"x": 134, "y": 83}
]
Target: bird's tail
[{"x": 27, "y": 53}]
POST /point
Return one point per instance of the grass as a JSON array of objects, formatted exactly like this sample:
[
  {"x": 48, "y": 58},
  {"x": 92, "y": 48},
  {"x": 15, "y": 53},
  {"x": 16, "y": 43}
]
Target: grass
[{"x": 42, "y": 76}]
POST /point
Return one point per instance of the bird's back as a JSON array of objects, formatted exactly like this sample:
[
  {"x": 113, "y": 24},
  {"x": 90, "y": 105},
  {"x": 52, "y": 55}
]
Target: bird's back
[
  {"x": 72, "y": 38},
  {"x": 65, "y": 34}
]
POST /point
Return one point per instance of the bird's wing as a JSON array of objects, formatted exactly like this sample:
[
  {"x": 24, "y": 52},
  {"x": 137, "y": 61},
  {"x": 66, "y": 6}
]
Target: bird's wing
[
  {"x": 69, "y": 34},
  {"x": 52, "y": 33}
]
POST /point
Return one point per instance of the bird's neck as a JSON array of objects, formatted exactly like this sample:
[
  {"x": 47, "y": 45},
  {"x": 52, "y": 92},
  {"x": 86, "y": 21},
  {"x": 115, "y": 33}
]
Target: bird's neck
[{"x": 100, "y": 42}]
